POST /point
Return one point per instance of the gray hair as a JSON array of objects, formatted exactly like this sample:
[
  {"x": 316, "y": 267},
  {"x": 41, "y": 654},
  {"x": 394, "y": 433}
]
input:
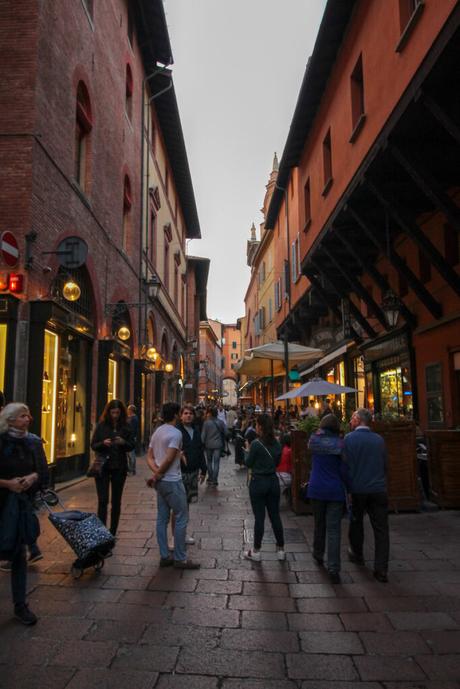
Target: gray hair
[
  {"x": 11, "y": 412},
  {"x": 364, "y": 416}
]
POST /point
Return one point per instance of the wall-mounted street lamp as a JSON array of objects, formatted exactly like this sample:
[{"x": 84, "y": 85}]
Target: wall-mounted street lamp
[
  {"x": 169, "y": 368},
  {"x": 153, "y": 287},
  {"x": 124, "y": 333},
  {"x": 391, "y": 307},
  {"x": 71, "y": 290}
]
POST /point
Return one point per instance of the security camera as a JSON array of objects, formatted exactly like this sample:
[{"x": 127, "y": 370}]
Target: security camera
[{"x": 47, "y": 269}]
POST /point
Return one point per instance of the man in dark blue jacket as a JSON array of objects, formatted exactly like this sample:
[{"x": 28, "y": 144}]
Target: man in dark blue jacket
[{"x": 366, "y": 461}]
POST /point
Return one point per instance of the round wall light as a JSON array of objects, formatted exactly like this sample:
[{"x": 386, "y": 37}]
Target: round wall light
[
  {"x": 124, "y": 333},
  {"x": 151, "y": 353},
  {"x": 71, "y": 291},
  {"x": 169, "y": 368}
]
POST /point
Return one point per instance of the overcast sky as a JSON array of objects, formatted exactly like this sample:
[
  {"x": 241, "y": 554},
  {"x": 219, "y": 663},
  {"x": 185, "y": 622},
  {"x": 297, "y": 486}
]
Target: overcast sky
[{"x": 238, "y": 66}]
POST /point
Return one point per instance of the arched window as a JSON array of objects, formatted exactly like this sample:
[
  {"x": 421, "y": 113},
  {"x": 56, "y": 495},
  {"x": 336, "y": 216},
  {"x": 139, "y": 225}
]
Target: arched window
[
  {"x": 127, "y": 203},
  {"x": 83, "y": 127},
  {"x": 129, "y": 93}
]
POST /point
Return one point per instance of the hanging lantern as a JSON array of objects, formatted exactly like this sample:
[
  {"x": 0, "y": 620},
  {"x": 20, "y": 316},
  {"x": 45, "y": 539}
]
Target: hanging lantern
[
  {"x": 391, "y": 307},
  {"x": 71, "y": 290}
]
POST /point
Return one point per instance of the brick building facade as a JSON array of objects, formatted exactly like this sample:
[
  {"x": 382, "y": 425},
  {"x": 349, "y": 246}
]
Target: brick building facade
[{"x": 71, "y": 165}]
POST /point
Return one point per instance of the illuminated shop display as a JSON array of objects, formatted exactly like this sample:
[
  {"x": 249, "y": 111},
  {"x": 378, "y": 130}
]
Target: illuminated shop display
[
  {"x": 112, "y": 381},
  {"x": 396, "y": 391},
  {"x": 48, "y": 404},
  {"x": 71, "y": 396},
  {"x": 3, "y": 336}
]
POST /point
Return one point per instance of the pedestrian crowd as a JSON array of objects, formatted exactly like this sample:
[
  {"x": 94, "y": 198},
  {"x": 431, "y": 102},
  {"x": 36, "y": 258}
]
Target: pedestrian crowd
[{"x": 348, "y": 477}]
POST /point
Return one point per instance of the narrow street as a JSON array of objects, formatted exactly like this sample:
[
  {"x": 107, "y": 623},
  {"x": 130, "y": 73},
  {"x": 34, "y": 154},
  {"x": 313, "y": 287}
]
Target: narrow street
[{"x": 235, "y": 623}]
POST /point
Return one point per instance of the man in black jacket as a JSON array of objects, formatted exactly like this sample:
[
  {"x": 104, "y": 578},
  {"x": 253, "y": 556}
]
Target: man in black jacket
[{"x": 193, "y": 462}]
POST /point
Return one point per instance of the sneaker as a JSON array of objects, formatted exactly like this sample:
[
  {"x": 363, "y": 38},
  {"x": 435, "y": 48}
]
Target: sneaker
[
  {"x": 186, "y": 564},
  {"x": 24, "y": 615},
  {"x": 381, "y": 576},
  {"x": 251, "y": 555},
  {"x": 166, "y": 562},
  {"x": 334, "y": 577},
  {"x": 5, "y": 566},
  {"x": 319, "y": 560},
  {"x": 189, "y": 540},
  {"x": 353, "y": 557},
  {"x": 35, "y": 556},
  {"x": 281, "y": 555}
]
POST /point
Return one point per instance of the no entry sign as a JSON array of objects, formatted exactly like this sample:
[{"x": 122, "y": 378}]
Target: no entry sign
[{"x": 9, "y": 248}]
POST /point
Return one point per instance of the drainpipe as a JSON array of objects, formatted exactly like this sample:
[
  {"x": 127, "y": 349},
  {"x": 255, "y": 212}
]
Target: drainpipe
[
  {"x": 144, "y": 196},
  {"x": 288, "y": 287}
]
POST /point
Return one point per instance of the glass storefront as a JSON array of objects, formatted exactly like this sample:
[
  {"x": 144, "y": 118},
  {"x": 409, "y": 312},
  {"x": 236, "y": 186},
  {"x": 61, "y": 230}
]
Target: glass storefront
[
  {"x": 49, "y": 385},
  {"x": 112, "y": 381},
  {"x": 396, "y": 391},
  {"x": 64, "y": 390}
]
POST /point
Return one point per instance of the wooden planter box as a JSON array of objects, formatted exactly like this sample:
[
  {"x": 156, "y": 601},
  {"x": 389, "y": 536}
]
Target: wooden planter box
[
  {"x": 402, "y": 478},
  {"x": 403, "y": 489},
  {"x": 444, "y": 467}
]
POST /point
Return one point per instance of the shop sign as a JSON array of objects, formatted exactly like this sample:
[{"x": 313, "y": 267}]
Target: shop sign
[
  {"x": 16, "y": 283},
  {"x": 325, "y": 338},
  {"x": 386, "y": 348},
  {"x": 9, "y": 248}
]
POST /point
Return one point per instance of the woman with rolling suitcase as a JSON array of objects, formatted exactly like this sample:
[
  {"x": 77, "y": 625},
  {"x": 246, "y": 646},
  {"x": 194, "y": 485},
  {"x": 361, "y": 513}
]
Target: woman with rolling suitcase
[{"x": 111, "y": 441}]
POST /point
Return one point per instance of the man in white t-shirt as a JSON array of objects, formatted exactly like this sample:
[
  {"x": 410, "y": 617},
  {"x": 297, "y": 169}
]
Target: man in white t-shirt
[{"x": 164, "y": 457}]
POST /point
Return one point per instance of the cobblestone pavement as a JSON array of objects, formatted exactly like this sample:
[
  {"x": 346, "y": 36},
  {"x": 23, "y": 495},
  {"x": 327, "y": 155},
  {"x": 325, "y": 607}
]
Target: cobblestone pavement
[{"x": 235, "y": 623}]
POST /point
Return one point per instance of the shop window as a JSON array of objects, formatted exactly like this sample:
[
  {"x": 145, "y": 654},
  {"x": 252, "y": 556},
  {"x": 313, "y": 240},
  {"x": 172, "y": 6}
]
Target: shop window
[
  {"x": 49, "y": 385},
  {"x": 395, "y": 391},
  {"x": 3, "y": 339},
  {"x": 357, "y": 99},
  {"x": 71, "y": 396},
  {"x": 112, "y": 380},
  {"x": 424, "y": 267},
  {"x": 307, "y": 204},
  {"x": 83, "y": 127},
  {"x": 451, "y": 245},
  {"x": 327, "y": 163},
  {"x": 127, "y": 204},
  {"x": 129, "y": 93},
  {"x": 433, "y": 389}
]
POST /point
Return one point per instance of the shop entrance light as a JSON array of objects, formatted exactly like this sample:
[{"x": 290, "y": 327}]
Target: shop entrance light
[
  {"x": 71, "y": 290},
  {"x": 124, "y": 333},
  {"x": 151, "y": 354},
  {"x": 169, "y": 368}
]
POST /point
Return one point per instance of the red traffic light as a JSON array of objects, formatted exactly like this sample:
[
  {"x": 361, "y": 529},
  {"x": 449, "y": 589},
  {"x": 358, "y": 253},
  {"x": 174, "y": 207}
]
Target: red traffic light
[{"x": 16, "y": 283}]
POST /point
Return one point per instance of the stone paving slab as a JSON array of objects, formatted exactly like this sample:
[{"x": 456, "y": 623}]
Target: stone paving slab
[{"x": 234, "y": 623}]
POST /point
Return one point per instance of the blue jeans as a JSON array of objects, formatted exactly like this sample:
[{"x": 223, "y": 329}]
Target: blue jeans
[
  {"x": 171, "y": 496},
  {"x": 328, "y": 518},
  {"x": 213, "y": 462}
]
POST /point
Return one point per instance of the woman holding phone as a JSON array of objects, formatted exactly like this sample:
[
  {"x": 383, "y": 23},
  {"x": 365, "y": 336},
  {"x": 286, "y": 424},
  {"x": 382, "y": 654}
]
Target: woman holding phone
[{"x": 111, "y": 441}]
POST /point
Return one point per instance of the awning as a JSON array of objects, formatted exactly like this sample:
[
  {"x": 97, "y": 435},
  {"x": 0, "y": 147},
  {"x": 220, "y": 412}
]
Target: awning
[{"x": 329, "y": 357}]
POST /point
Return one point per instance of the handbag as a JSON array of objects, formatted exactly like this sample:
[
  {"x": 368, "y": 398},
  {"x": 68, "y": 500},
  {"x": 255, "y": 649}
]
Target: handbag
[{"x": 97, "y": 464}]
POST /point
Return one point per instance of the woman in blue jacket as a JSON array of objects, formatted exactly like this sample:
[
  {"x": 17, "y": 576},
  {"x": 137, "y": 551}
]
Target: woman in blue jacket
[{"x": 327, "y": 492}]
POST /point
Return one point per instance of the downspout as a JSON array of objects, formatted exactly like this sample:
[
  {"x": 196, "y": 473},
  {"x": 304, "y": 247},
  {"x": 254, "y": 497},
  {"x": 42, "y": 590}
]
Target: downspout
[
  {"x": 288, "y": 287},
  {"x": 144, "y": 192}
]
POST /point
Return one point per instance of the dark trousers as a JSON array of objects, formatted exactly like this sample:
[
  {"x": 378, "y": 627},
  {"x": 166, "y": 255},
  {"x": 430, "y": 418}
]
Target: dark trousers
[
  {"x": 116, "y": 479},
  {"x": 328, "y": 518},
  {"x": 19, "y": 576},
  {"x": 264, "y": 492},
  {"x": 376, "y": 505}
]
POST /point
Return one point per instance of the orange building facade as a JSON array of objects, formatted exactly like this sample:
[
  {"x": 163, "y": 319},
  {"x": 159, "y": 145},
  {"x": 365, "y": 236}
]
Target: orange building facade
[{"x": 366, "y": 217}]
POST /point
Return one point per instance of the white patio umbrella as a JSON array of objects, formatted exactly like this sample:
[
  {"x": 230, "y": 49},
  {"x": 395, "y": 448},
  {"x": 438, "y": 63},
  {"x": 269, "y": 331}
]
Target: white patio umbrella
[
  {"x": 268, "y": 359},
  {"x": 316, "y": 386}
]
